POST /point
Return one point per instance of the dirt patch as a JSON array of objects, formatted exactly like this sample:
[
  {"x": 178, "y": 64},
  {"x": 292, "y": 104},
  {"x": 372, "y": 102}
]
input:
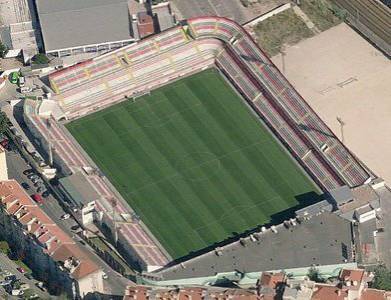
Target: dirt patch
[
  {"x": 341, "y": 75},
  {"x": 285, "y": 28},
  {"x": 240, "y": 11},
  {"x": 323, "y": 14}
]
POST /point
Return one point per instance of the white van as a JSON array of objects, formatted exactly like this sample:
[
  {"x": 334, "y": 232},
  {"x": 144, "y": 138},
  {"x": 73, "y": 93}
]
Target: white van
[{"x": 21, "y": 81}]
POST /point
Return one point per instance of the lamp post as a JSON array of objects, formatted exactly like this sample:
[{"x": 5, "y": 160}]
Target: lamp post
[{"x": 341, "y": 124}]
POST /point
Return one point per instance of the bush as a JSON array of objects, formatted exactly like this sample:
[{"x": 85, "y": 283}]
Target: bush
[
  {"x": 4, "y": 247},
  {"x": 3, "y": 122},
  {"x": 40, "y": 59},
  {"x": 3, "y": 50},
  {"x": 382, "y": 280},
  {"x": 314, "y": 275}
]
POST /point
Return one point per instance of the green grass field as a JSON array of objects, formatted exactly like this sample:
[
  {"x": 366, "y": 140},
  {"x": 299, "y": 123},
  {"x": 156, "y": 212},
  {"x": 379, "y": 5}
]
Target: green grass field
[{"x": 193, "y": 161}]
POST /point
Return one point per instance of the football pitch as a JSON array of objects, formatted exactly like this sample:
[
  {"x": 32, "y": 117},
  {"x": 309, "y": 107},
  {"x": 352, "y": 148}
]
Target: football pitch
[{"x": 193, "y": 161}]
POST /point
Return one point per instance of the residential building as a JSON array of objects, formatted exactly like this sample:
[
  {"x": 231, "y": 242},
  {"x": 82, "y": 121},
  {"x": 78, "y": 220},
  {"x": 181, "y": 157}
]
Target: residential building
[
  {"x": 186, "y": 293},
  {"x": 3, "y": 165},
  {"x": 53, "y": 255}
]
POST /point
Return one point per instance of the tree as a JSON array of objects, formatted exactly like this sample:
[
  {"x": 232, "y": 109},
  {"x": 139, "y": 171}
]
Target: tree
[
  {"x": 314, "y": 275},
  {"x": 40, "y": 59},
  {"x": 3, "y": 122},
  {"x": 3, "y": 50},
  {"x": 382, "y": 280},
  {"x": 4, "y": 247}
]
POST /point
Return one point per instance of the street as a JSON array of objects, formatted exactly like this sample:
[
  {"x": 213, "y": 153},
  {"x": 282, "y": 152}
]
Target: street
[{"x": 16, "y": 165}]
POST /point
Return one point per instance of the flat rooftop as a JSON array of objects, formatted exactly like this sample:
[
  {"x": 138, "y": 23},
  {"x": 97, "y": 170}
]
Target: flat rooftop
[
  {"x": 325, "y": 239},
  {"x": 74, "y": 23},
  {"x": 79, "y": 188}
]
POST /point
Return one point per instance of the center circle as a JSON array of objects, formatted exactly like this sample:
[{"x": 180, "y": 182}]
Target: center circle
[{"x": 198, "y": 166}]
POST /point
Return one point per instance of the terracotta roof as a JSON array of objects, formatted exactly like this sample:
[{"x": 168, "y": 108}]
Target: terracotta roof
[
  {"x": 190, "y": 294},
  {"x": 145, "y": 24},
  {"x": 352, "y": 275},
  {"x": 86, "y": 265},
  {"x": 271, "y": 280},
  {"x": 372, "y": 294},
  {"x": 136, "y": 293},
  {"x": 59, "y": 245},
  {"x": 329, "y": 292}
]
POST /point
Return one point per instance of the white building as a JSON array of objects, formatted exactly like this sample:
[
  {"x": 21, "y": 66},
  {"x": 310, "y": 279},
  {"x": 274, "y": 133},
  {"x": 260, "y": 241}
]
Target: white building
[{"x": 16, "y": 29}]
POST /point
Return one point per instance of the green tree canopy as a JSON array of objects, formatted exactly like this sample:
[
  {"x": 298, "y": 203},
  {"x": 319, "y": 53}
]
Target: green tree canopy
[
  {"x": 314, "y": 275},
  {"x": 382, "y": 280},
  {"x": 3, "y": 122},
  {"x": 40, "y": 59},
  {"x": 3, "y": 50}
]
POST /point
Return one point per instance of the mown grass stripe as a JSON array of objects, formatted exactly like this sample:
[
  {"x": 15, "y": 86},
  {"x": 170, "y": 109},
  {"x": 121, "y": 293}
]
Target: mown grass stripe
[{"x": 142, "y": 148}]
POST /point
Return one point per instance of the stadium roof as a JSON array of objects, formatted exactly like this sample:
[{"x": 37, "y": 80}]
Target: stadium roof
[
  {"x": 74, "y": 23},
  {"x": 325, "y": 239},
  {"x": 79, "y": 189}
]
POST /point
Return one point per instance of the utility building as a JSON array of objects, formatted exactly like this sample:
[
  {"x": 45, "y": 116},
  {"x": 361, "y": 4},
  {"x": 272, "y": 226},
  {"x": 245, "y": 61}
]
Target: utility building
[{"x": 74, "y": 26}]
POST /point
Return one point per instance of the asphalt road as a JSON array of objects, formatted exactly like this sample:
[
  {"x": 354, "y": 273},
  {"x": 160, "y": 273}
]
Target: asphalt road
[
  {"x": 115, "y": 284},
  {"x": 7, "y": 264},
  {"x": 9, "y": 92},
  {"x": 16, "y": 165}
]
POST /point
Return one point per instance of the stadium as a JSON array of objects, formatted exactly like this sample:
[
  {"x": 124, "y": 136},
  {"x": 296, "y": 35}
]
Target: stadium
[{"x": 190, "y": 137}]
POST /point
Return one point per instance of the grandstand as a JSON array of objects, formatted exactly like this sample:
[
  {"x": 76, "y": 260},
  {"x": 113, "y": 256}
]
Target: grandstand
[{"x": 198, "y": 44}]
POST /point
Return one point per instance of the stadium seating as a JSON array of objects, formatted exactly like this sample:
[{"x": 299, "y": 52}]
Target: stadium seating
[
  {"x": 213, "y": 41},
  {"x": 215, "y": 27},
  {"x": 226, "y": 63},
  {"x": 71, "y": 156},
  {"x": 140, "y": 76}
]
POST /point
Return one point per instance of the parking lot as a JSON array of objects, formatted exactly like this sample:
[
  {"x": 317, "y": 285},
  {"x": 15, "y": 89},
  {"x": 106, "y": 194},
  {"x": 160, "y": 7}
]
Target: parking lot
[
  {"x": 16, "y": 166},
  {"x": 8, "y": 268}
]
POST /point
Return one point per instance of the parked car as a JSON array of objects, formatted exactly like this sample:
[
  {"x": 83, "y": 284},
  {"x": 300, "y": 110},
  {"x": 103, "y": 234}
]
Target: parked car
[
  {"x": 39, "y": 183},
  {"x": 45, "y": 194},
  {"x": 65, "y": 216},
  {"x": 41, "y": 189},
  {"x": 5, "y": 282},
  {"x": 75, "y": 227},
  {"x": 25, "y": 185},
  {"x": 17, "y": 292},
  {"x": 36, "y": 179},
  {"x": 40, "y": 285},
  {"x": 28, "y": 171},
  {"x": 10, "y": 276},
  {"x": 32, "y": 175},
  {"x": 21, "y": 81},
  {"x": 105, "y": 276},
  {"x": 21, "y": 270},
  {"x": 37, "y": 198}
]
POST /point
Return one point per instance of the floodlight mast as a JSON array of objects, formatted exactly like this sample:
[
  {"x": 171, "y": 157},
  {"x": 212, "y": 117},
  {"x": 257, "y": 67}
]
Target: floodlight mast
[
  {"x": 113, "y": 202},
  {"x": 341, "y": 124}
]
